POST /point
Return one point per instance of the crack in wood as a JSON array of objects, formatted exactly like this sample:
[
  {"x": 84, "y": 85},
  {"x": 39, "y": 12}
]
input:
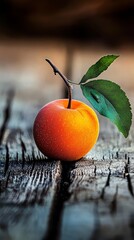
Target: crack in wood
[
  {"x": 107, "y": 184},
  {"x": 95, "y": 170},
  {"x": 7, "y": 114},
  {"x": 108, "y": 178},
  {"x": 113, "y": 205},
  {"x": 128, "y": 160},
  {"x": 61, "y": 196},
  {"x": 127, "y": 175},
  {"x": 7, "y": 160},
  {"x": 6, "y": 185},
  {"x": 117, "y": 154},
  {"x": 23, "y": 148}
]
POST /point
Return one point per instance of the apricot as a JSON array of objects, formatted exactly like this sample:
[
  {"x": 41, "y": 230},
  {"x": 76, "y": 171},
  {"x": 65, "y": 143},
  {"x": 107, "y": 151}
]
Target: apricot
[{"x": 66, "y": 133}]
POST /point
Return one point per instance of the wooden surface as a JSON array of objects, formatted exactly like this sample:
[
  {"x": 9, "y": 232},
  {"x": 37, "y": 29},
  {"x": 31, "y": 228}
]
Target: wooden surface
[{"x": 40, "y": 199}]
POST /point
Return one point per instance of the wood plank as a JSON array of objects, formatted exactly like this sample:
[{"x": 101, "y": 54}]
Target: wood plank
[
  {"x": 28, "y": 182},
  {"x": 26, "y": 203},
  {"x": 101, "y": 191}
]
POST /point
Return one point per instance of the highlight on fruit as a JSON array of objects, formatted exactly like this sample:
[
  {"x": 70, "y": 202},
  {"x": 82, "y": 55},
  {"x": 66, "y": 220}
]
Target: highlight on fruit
[{"x": 67, "y": 129}]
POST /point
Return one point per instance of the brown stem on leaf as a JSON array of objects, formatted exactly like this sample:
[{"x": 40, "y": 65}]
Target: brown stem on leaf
[{"x": 69, "y": 86}]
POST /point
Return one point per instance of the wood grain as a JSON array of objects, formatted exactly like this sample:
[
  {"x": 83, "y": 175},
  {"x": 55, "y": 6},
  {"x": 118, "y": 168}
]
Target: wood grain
[
  {"x": 28, "y": 182},
  {"x": 101, "y": 190}
]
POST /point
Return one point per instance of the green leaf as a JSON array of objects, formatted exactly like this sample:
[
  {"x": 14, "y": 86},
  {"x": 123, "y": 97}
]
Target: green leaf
[
  {"x": 110, "y": 101},
  {"x": 100, "y": 66}
]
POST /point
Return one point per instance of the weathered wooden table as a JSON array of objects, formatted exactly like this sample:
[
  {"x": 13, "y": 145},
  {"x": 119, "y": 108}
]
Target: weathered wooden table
[{"x": 40, "y": 199}]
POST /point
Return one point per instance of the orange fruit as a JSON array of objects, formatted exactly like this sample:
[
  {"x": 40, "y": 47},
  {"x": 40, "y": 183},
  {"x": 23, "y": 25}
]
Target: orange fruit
[{"x": 66, "y": 133}]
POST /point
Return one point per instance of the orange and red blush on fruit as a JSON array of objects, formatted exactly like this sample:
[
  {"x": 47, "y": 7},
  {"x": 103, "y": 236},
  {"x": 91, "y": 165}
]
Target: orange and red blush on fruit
[{"x": 66, "y": 133}]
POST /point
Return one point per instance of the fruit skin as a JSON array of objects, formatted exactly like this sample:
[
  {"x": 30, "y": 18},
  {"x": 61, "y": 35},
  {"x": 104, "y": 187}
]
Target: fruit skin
[{"x": 63, "y": 133}]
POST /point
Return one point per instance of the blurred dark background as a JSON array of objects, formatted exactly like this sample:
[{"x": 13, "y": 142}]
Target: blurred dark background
[
  {"x": 72, "y": 33},
  {"x": 110, "y": 22}
]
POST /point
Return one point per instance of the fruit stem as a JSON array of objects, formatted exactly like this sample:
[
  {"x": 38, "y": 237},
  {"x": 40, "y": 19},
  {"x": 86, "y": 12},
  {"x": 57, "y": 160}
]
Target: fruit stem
[{"x": 67, "y": 82}]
